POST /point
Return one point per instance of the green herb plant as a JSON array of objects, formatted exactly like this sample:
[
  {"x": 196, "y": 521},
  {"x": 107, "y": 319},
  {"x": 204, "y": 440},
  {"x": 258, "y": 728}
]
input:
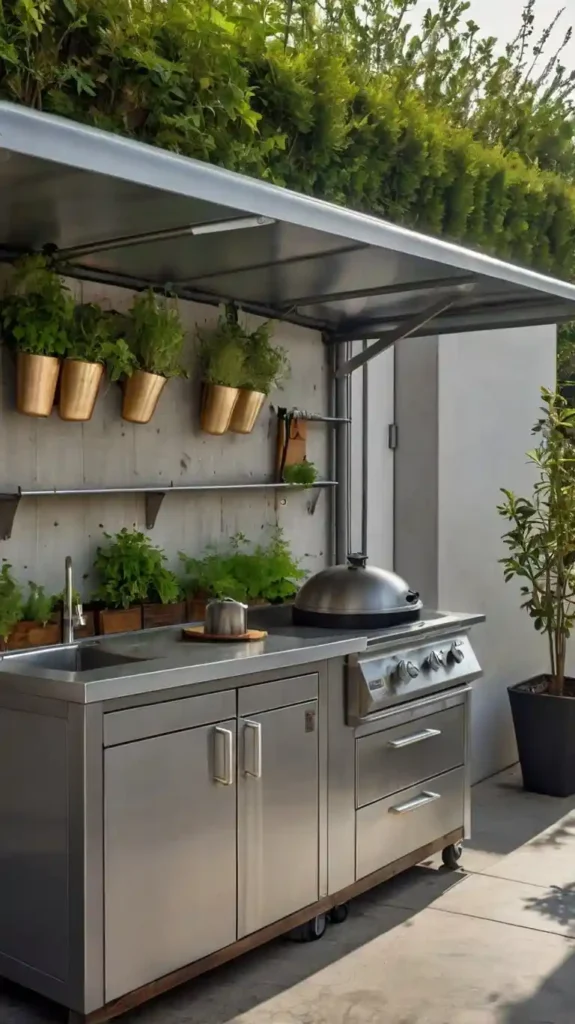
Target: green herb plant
[
  {"x": 131, "y": 571},
  {"x": 11, "y": 603},
  {"x": 264, "y": 572},
  {"x": 38, "y": 606},
  {"x": 541, "y": 539},
  {"x": 303, "y": 474},
  {"x": 265, "y": 366},
  {"x": 94, "y": 338},
  {"x": 36, "y": 311},
  {"x": 155, "y": 335},
  {"x": 222, "y": 352}
]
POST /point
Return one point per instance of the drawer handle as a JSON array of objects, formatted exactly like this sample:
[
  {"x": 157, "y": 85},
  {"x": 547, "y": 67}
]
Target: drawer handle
[
  {"x": 224, "y": 744},
  {"x": 416, "y": 737},
  {"x": 418, "y": 801}
]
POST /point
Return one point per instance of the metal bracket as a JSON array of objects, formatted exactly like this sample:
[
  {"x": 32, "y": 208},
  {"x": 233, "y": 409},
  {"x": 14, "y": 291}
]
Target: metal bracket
[
  {"x": 8, "y": 509},
  {"x": 390, "y": 337},
  {"x": 153, "y": 503}
]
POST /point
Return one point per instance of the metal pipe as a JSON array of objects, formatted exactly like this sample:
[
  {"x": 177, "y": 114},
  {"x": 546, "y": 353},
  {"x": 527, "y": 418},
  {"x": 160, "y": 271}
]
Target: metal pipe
[
  {"x": 67, "y": 623},
  {"x": 364, "y": 452},
  {"x": 342, "y": 467}
]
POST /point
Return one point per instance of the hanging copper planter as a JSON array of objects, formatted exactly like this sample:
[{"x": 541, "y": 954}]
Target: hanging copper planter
[
  {"x": 79, "y": 387},
  {"x": 141, "y": 394},
  {"x": 218, "y": 403},
  {"x": 36, "y": 380},
  {"x": 246, "y": 411}
]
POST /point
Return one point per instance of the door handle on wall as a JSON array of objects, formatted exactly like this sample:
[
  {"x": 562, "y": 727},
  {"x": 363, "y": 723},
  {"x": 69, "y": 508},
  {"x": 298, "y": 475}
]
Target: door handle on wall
[
  {"x": 253, "y": 757},
  {"x": 223, "y": 756}
]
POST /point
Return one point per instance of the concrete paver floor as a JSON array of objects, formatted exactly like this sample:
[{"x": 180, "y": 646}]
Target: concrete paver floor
[{"x": 493, "y": 943}]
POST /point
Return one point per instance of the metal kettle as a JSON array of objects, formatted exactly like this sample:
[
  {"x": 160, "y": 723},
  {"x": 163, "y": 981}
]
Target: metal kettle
[{"x": 226, "y": 617}]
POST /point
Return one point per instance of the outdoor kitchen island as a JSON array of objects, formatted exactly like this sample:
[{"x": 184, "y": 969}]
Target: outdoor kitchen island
[{"x": 173, "y": 804}]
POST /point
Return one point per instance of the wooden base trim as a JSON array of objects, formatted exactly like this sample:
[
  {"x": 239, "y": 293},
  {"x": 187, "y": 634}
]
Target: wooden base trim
[{"x": 273, "y": 931}]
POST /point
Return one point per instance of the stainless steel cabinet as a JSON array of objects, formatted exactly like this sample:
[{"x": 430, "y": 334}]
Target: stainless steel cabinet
[
  {"x": 278, "y": 815},
  {"x": 170, "y": 853}
]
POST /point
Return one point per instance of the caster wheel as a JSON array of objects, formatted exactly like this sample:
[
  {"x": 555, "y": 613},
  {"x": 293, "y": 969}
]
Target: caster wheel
[
  {"x": 338, "y": 915},
  {"x": 311, "y": 931},
  {"x": 451, "y": 855}
]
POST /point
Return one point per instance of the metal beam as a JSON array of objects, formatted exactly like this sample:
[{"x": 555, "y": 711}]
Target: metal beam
[
  {"x": 403, "y": 331},
  {"x": 437, "y": 284},
  {"x": 247, "y": 268}
]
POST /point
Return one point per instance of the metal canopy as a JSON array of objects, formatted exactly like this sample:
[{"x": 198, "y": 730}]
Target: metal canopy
[{"x": 126, "y": 213}]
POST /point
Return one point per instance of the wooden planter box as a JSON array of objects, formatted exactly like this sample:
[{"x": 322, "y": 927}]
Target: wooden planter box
[
  {"x": 33, "y": 634},
  {"x": 157, "y": 615},
  {"x": 119, "y": 620}
]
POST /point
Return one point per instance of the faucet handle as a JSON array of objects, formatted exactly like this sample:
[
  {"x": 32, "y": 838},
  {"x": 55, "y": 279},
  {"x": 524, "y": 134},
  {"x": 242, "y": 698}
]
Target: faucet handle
[{"x": 78, "y": 617}]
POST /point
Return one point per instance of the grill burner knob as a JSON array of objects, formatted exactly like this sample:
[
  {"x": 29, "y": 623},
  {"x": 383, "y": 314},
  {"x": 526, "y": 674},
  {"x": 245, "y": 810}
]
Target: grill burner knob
[
  {"x": 456, "y": 655},
  {"x": 405, "y": 670},
  {"x": 434, "y": 660}
]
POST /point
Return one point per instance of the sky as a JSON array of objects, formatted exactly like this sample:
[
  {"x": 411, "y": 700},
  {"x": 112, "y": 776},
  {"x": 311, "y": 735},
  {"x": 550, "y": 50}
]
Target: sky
[{"x": 501, "y": 18}]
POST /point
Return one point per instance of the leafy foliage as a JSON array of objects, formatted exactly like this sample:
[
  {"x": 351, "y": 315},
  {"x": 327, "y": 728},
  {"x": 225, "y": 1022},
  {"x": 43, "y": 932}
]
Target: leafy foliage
[
  {"x": 541, "y": 539},
  {"x": 155, "y": 335},
  {"x": 94, "y": 338},
  {"x": 303, "y": 473},
  {"x": 10, "y": 601},
  {"x": 265, "y": 366},
  {"x": 131, "y": 570},
  {"x": 38, "y": 606},
  {"x": 268, "y": 572},
  {"x": 222, "y": 351},
  {"x": 36, "y": 311},
  {"x": 433, "y": 128}
]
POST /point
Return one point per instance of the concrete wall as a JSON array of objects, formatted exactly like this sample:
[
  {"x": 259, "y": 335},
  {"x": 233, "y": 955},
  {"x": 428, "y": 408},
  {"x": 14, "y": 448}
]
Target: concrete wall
[
  {"x": 465, "y": 406},
  {"x": 171, "y": 449}
]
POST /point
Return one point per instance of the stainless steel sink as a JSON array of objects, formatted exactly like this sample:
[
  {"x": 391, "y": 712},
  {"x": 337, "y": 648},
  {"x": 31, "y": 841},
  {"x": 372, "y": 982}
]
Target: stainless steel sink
[{"x": 66, "y": 659}]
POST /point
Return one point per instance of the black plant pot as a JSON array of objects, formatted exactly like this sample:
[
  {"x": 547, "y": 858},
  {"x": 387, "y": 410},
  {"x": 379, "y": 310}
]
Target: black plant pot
[{"x": 545, "y": 733}]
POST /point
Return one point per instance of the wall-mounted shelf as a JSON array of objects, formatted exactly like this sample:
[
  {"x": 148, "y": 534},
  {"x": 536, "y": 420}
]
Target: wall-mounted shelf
[{"x": 153, "y": 496}]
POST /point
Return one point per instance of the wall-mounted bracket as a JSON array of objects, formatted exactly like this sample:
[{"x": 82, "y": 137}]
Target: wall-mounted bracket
[
  {"x": 153, "y": 503},
  {"x": 8, "y": 509}
]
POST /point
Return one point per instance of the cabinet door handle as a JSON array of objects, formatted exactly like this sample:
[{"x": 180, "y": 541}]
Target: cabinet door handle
[
  {"x": 418, "y": 801},
  {"x": 253, "y": 767},
  {"x": 224, "y": 756},
  {"x": 416, "y": 737}
]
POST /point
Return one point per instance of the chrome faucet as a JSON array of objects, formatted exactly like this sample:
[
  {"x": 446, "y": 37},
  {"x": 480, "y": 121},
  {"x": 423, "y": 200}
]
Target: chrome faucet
[{"x": 73, "y": 613}]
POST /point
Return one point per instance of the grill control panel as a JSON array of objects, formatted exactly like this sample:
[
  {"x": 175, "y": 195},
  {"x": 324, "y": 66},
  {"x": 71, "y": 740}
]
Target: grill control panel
[{"x": 376, "y": 678}]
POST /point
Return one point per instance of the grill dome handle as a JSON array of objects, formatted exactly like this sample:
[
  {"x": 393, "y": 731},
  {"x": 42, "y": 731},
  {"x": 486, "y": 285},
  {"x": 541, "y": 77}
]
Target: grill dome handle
[
  {"x": 412, "y": 596},
  {"x": 357, "y": 561}
]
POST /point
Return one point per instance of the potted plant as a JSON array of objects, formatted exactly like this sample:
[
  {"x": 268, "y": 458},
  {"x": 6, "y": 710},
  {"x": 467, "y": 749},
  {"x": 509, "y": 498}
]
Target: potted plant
[
  {"x": 222, "y": 355},
  {"x": 37, "y": 626},
  {"x": 155, "y": 335},
  {"x": 35, "y": 314},
  {"x": 541, "y": 543},
  {"x": 300, "y": 474},
  {"x": 10, "y": 603},
  {"x": 93, "y": 346},
  {"x": 265, "y": 367},
  {"x": 134, "y": 582},
  {"x": 164, "y": 605}
]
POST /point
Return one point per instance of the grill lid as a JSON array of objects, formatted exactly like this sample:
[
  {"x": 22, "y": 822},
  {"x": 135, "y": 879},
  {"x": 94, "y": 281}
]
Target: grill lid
[{"x": 355, "y": 596}]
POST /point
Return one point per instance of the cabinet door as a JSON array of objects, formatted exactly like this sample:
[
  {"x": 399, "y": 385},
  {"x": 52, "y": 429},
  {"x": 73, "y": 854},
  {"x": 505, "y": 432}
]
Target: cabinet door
[
  {"x": 278, "y": 815},
  {"x": 170, "y": 853}
]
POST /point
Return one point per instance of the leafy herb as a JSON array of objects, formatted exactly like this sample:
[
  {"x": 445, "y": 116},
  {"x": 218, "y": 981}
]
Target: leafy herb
[
  {"x": 38, "y": 606},
  {"x": 36, "y": 311},
  {"x": 222, "y": 352},
  {"x": 131, "y": 570},
  {"x": 10, "y": 601},
  {"x": 265, "y": 366},
  {"x": 155, "y": 335},
  {"x": 303, "y": 473},
  {"x": 268, "y": 572},
  {"x": 94, "y": 338},
  {"x": 541, "y": 540}
]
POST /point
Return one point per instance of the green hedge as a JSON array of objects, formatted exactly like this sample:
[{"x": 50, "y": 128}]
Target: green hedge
[{"x": 178, "y": 75}]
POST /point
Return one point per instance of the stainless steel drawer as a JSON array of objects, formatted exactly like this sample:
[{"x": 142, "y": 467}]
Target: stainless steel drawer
[
  {"x": 394, "y": 759},
  {"x": 392, "y": 828}
]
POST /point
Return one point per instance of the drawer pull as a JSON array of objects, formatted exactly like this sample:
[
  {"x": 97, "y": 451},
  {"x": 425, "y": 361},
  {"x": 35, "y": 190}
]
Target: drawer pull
[
  {"x": 416, "y": 737},
  {"x": 224, "y": 751},
  {"x": 418, "y": 801}
]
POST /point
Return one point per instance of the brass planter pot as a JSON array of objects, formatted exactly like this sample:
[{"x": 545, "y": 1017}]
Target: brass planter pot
[
  {"x": 36, "y": 381},
  {"x": 218, "y": 404},
  {"x": 79, "y": 385},
  {"x": 246, "y": 411},
  {"x": 141, "y": 393}
]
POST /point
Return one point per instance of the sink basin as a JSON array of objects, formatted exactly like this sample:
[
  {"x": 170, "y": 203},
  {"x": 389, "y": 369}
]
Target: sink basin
[{"x": 67, "y": 659}]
